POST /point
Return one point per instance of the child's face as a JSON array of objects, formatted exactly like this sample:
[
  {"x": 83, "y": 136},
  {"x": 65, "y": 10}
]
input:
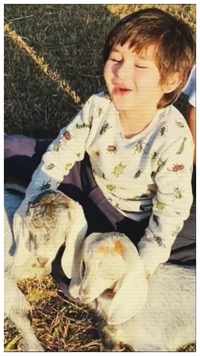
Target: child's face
[{"x": 133, "y": 80}]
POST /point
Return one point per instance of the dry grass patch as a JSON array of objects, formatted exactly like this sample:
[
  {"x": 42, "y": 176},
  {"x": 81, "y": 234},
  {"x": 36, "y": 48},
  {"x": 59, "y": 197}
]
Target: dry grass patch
[{"x": 59, "y": 324}]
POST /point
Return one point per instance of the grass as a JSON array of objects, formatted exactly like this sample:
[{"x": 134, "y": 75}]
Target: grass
[
  {"x": 59, "y": 324},
  {"x": 53, "y": 63}
]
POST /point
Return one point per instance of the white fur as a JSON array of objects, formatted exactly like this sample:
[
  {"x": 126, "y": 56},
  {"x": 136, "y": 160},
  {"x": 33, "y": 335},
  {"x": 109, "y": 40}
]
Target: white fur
[
  {"x": 29, "y": 244},
  {"x": 15, "y": 305},
  {"x": 158, "y": 315}
]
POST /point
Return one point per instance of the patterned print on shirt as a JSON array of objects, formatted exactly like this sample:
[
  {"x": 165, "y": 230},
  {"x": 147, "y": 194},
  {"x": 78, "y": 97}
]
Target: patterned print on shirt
[
  {"x": 180, "y": 124},
  {"x": 83, "y": 126},
  {"x": 111, "y": 187},
  {"x": 138, "y": 173},
  {"x": 119, "y": 169},
  {"x": 50, "y": 166},
  {"x": 56, "y": 147},
  {"x": 159, "y": 241},
  {"x": 104, "y": 128},
  {"x": 177, "y": 193},
  {"x": 67, "y": 135},
  {"x": 138, "y": 148},
  {"x": 181, "y": 148},
  {"x": 176, "y": 168},
  {"x": 160, "y": 205},
  {"x": 112, "y": 148},
  {"x": 154, "y": 156},
  {"x": 160, "y": 164},
  {"x": 163, "y": 130}
]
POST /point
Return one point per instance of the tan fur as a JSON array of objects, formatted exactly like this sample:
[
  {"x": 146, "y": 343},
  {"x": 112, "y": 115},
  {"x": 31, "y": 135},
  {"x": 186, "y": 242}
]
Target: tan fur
[
  {"x": 46, "y": 209},
  {"x": 119, "y": 248},
  {"x": 104, "y": 250}
]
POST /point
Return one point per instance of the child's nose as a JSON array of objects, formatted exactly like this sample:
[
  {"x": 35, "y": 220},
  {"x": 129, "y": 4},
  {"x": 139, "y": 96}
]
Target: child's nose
[
  {"x": 42, "y": 261},
  {"x": 124, "y": 71}
]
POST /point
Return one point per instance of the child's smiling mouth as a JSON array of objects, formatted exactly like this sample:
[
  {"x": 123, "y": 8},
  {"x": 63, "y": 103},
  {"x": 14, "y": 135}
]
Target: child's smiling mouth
[{"x": 120, "y": 90}]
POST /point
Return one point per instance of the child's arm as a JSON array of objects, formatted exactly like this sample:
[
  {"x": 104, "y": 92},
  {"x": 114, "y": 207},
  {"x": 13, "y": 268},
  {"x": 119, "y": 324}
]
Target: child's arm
[
  {"x": 171, "y": 205},
  {"x": 63, "y": 152}
]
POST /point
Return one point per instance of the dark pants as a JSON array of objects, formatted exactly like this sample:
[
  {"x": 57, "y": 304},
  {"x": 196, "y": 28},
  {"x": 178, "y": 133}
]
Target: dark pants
[{"x": 101, "y": 216}]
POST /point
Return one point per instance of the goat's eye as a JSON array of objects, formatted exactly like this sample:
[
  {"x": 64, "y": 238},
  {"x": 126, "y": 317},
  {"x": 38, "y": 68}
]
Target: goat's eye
[{"x": 83, "y": 269}]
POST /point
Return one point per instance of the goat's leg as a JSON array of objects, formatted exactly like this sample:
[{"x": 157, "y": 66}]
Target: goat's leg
[
  {"x": 16, "y": 309},
  {"x": 23, "y": 325}
]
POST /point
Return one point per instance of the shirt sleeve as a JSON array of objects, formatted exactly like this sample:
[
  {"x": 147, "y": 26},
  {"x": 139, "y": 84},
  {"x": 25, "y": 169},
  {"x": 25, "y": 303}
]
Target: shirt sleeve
[
  {"x": 68, "y": 148},
  {"x": 171, "y": 205}
]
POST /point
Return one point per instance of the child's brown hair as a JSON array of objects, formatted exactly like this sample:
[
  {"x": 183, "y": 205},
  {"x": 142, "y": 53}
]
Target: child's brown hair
[{"x": 173, "y": 40}]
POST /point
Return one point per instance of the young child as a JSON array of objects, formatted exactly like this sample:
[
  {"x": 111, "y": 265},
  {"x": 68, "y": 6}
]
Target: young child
[{"x": 128, "y": 155}]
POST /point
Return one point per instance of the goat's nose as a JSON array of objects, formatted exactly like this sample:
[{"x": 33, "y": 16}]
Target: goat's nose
[
  {"x": 84, "y": 294},
  {"x": 42, "y": 261}
]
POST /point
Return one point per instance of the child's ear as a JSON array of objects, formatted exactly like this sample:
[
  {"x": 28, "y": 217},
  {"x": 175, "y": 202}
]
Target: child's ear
[{"x": 172, "y": 82}]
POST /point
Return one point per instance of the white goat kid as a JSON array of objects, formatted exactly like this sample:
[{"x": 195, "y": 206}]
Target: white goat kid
[
  {"x": 154, "y": 315},
  {"x": 50, "y": 220}
]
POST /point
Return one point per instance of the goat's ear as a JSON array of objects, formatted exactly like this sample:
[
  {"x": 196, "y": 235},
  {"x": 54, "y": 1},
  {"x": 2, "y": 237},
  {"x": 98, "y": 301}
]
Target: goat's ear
[
  {"x": 131, "y": 291},
  {"x": 8, "y": 239},
  {"x": 21, "y": 236},
  {"x": 74, "y": 235}
]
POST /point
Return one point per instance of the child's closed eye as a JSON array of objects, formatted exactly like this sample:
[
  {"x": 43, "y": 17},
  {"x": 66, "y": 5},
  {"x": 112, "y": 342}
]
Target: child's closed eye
[
  {"x": 140, "y": 66},
  {"x": 115, "y": 59},
  {"x": 115, "y": 56}
]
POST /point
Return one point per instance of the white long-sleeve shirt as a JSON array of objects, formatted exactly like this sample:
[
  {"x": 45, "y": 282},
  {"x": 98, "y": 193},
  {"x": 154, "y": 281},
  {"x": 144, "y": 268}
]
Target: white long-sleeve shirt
[{"x": 146, "y": 175}]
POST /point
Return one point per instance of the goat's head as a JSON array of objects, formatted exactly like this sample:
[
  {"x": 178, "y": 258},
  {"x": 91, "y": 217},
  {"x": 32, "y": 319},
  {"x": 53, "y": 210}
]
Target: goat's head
[
  {"x": 48, "y": 224},
  {"x": 109, "y": 265}
]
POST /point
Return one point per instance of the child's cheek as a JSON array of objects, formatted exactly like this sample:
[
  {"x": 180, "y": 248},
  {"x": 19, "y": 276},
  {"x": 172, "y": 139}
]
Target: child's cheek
[
  {"x": 106, "y": 67},
  {"x": 146, "y": 80},
  {"x": 108, "y": 73},
  {"x": 105, "y": 73}
]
